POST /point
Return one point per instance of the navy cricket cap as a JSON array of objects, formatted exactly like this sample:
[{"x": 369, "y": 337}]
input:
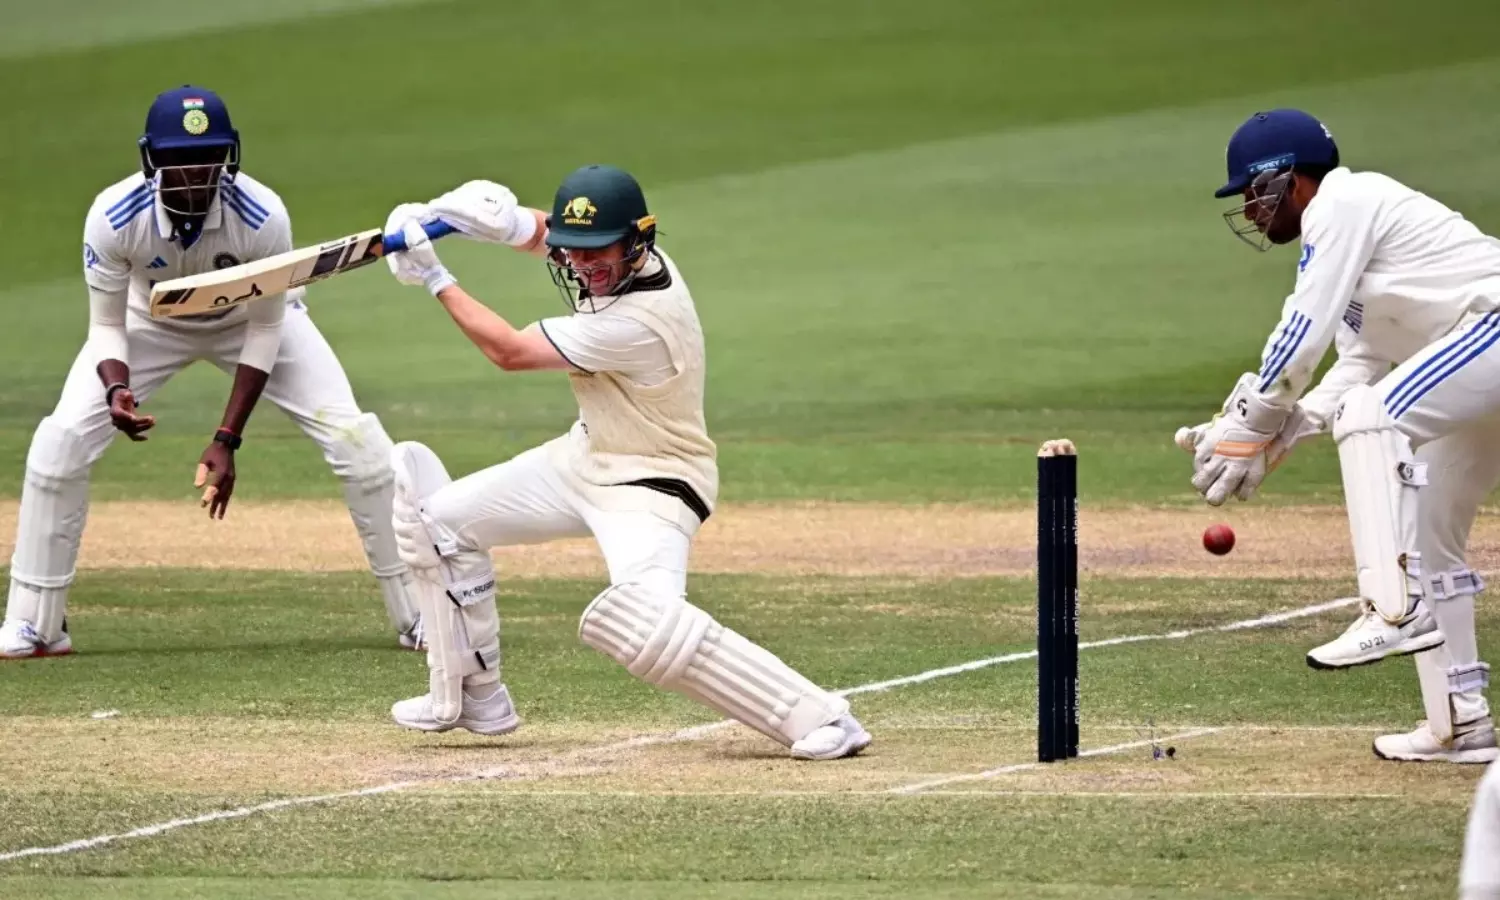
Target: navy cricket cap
[
  {"x": 1276, "y": 140},
  {"x": 188, "y": 117}
]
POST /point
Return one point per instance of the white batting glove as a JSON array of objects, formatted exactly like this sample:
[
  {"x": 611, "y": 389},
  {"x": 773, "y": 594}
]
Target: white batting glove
[
  {"x": 1232, "y": 456},
  {"x": 485, "y": 211},
  {"x": 418, "y": 263}
]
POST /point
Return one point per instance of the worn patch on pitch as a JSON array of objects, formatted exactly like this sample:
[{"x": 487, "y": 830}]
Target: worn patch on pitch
[{"x": 788, "y": 539}]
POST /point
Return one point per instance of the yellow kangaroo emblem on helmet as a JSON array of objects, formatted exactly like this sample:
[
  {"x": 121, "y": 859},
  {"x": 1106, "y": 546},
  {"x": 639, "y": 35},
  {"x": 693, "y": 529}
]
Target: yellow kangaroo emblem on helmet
[{"x": 579, "y": 211}]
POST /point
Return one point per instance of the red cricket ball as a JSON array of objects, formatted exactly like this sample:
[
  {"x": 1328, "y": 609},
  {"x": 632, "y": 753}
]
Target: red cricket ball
[{"x": 1218, "y": 539}]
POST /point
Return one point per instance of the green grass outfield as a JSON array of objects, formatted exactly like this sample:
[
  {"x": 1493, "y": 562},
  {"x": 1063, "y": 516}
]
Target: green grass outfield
[
  {"x": 923, "y": 238},
  {"x": 234, "y": 693},
  {"x": 272, "y": 687},
  {"x": 921, "y": 242}
]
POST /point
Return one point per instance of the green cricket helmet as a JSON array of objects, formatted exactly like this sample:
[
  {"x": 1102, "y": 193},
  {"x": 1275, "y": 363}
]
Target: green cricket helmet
[{"x": 596, "y": 207}]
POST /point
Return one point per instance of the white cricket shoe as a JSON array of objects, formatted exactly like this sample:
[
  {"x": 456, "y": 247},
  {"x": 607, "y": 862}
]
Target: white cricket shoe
[
  {"x": 490, "y": 714},
  {"x": 413, "y": 638},
  {"x": 842, "y": 737},
  {"x": 1472, "y": 743},
  {"x": 1371, "y": 639},
  {"x": 19, "y": 640}
]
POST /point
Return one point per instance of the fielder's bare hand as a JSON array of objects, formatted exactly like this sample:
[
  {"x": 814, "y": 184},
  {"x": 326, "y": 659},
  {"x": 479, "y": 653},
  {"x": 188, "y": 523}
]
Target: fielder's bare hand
[
  {"x": 216, "y": 478},
  {"x": 122, "y": 413}
]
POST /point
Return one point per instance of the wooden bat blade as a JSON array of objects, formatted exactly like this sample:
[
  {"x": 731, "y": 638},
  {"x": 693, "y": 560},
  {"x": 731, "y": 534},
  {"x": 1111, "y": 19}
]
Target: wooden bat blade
[{"x": 225, "y": 288}]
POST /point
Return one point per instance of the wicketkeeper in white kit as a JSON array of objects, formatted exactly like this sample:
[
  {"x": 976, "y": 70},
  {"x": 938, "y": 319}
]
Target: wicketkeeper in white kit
[
  {"x": 637, "y": 471},
  {"x": 1407, "y": 290},
  {"x": 189, "y": 210}
]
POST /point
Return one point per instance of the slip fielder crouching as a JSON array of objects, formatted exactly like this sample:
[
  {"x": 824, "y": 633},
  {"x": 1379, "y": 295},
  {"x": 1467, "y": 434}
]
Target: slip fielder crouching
[{"x": 190, "y": 210}]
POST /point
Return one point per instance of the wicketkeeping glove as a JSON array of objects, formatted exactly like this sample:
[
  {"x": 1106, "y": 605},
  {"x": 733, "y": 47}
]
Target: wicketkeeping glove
[{"x": 1234, "y": 454}]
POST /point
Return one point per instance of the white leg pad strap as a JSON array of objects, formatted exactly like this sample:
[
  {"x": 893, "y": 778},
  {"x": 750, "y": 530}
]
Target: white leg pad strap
[
  {"x": 1381, "y": 478},
  {"x": 454, "y": 585},
  {"x": 669, "y": 642},
  {"x": 1451, "y": 694},
  {"x": 54, "y": 508},
  {"x": 1455, "y": 583}
]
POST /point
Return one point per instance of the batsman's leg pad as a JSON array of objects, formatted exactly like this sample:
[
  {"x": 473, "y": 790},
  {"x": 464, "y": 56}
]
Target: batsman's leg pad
[
  {"x": 54, "y": 508},
  {"x": 1381, "y": 478},
  {"x": 669, "y": 642},
  {"x": 454, "y": 585}
]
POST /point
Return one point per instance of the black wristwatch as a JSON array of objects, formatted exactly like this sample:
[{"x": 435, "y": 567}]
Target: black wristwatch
[{"x": 228, "y": 438}]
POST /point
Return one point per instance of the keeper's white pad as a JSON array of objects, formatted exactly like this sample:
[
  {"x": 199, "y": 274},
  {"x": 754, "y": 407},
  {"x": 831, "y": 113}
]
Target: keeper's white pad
[
  {"x": 669, "y": 642},
  {"x": 1450, "y": 694},
  {"x": 1381, "y": 478},
  {"x": 454, "y": 587},
  {"x": 362, "y": 459},
  {"x": 54, "y": 507}
]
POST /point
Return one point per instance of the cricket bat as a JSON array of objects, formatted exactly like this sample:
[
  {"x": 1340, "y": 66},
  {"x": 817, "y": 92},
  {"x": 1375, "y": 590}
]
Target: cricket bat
[{"x": 224, "y": 288}]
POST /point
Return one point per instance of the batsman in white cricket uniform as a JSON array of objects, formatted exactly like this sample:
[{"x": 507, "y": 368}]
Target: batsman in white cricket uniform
[
  {"x": 1407, "y": 290},
  {"x": 637, "y": 471},
  {"x": 189, "y": 210}
]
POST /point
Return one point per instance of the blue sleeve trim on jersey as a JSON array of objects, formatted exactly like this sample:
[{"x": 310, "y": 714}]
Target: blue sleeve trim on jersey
[
  {"x": 128, "y": 199},
  {"x": 1437, "y": 367},
  {"x": 235, "y": 201},
  {"x": 249, "y": 201},
  {"x": 124, "y": 215},
  {"x": 1284, "y": 349}
]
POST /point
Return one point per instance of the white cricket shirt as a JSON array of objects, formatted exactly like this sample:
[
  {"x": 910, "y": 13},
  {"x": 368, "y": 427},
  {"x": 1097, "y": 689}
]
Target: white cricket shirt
[
  {"x": 613, "y": 342},
  {"x": 129, "y": 244},
  {"x": 1385, "y": 270}
]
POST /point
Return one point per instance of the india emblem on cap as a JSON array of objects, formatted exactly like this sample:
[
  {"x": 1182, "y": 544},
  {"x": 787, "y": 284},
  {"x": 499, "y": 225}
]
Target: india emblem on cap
[{"x": 195, "y": 121}]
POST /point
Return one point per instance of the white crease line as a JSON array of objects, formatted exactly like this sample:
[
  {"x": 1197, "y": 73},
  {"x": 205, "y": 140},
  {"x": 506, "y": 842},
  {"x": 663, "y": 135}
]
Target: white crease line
[
  {"x": 1263, "y": 621},
  {"x": 685, "y": 734},
  {"x": 1177, "y": 795},
  {"x": 921, "y": 786},
  {"x": 1062, "y": 793},
  {"x": 221, "y": 815},
  {"x": 899, "y": 725}
]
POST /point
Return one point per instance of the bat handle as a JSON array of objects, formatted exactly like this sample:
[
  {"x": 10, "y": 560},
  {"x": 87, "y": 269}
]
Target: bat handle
[{"x": 395, "y": 243}]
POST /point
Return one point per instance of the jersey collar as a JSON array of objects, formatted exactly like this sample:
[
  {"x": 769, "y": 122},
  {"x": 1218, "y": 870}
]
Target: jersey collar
[{"x": 211, "y": 221}]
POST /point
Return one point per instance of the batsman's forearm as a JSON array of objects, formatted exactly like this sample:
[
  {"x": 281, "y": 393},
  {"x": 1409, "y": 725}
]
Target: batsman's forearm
[
  {"x": 113, "y": 371},
  {"x": 248, "y": 383},
  {"x": 537, "y": 244},
  {"x": 495, "y": 337}
]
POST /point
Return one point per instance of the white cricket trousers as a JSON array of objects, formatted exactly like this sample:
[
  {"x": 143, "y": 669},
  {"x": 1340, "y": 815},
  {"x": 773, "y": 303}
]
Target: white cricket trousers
[
  {"x": 307, "y": 382},
  {"x": 525, "y": 500},
  {"x": 1446, "y": 400}
]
